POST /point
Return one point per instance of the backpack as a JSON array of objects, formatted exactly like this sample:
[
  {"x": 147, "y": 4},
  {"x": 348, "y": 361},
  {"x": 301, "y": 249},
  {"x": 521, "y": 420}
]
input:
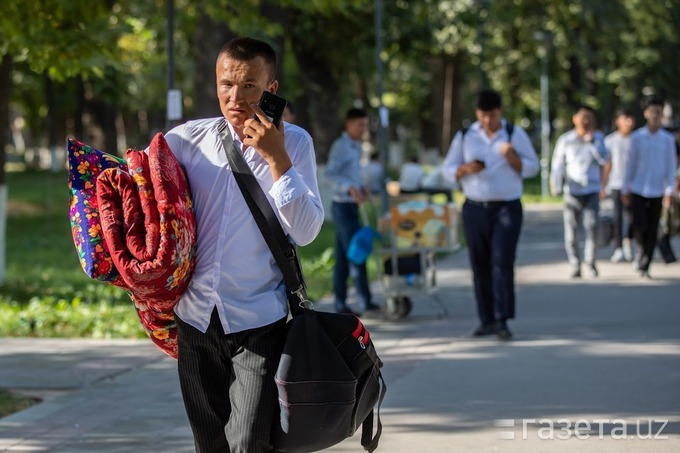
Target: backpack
[{"x": 329, "y": 382}]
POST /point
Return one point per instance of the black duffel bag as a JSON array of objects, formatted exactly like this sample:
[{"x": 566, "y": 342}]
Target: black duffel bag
[
  {"x": 329, "y": 376},
  {"x": 329, "y": 382}
]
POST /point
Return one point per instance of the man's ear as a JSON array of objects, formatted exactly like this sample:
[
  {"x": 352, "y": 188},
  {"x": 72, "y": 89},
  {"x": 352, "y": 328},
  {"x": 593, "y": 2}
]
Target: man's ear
[{"x": 274, "y": 86}]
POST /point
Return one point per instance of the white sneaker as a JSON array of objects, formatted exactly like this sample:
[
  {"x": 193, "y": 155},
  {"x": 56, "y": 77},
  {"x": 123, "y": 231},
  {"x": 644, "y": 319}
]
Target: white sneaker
[
  {"x": 618, "y": 256},
  {"x": 627, "y": 250}
]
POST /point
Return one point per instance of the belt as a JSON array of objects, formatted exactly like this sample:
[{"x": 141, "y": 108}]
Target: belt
[{"x": 491, "y": 204}]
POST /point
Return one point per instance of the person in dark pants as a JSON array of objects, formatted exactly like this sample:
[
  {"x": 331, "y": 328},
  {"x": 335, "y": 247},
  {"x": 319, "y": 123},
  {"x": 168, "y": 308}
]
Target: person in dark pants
[
  {"x": 649, "y": 181},
  {"x": 618, "y": 144},
  {"x": 490, "y": 160},
  {"x": 232, "y": 317},
  {"x": 344, "y": 174}
]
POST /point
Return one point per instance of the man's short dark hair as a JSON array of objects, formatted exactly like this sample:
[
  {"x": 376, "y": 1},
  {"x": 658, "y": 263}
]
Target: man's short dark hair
[
  {"x": 488, "y": 100},
  {"x": 355, "y": 113},
  {"x": 580, "y": 107},
  {"x": 658, "y": 102},
  {"x": 624, "y": 111},
  {"x": 246, "y": 48}
]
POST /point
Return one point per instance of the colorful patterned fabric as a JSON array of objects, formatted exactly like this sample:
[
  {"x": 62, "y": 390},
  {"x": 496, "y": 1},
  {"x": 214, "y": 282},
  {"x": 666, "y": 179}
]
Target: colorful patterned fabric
[
  {"x": 148, "y": 231},
  {"x": 85, "y": 164}
]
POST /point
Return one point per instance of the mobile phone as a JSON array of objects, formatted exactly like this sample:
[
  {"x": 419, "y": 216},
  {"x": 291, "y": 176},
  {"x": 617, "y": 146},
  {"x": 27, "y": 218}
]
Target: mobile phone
[
  {"x": 480, "y": 162},
  {"x": 273, "y": 106}
]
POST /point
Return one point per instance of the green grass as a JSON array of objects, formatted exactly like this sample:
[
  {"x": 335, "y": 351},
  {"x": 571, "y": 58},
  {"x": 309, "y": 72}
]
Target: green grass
[
  {"x": 46, "y": 293},
  {"x": 532, "y": 192},
  {"x": 10, "y": 403}
]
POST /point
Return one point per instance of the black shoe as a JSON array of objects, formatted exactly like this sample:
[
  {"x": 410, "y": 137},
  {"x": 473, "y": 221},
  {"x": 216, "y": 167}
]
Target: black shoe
[
  {"x": 645, "y": 274},
  {"x": 576, "y": 273},
  {"x": 370, "y": 307},
  {"x": 502, "y": 331},
  {"x": 484, "y": 330}
]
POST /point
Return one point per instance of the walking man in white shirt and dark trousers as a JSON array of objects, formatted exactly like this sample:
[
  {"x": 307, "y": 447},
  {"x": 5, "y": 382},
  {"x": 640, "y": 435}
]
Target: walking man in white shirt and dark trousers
[
  {"x": 577, "y": 171},
  {"x": 490, "y": 160},
  {"x": 649, "y": 181},
  {"x": 618, "y": 145},
  {"x": 232, "y": 317}
]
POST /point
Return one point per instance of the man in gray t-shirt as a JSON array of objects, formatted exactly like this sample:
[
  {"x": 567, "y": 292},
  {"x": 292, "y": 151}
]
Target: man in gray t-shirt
[{"x": 618, "y": 145}]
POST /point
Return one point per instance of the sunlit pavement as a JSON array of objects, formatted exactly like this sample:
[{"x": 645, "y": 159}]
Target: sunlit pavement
[{"x": 594, "y": 366}]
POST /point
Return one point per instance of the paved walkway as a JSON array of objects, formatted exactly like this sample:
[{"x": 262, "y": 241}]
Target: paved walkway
[{"x": 595, "y": 365}]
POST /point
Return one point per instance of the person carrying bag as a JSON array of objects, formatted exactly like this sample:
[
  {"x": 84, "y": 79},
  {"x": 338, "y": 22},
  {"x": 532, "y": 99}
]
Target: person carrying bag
[{"x": 329, "y": 377}]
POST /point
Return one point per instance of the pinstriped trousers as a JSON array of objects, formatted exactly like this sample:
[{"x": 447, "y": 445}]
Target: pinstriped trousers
[{"x": 228, "y": 387}]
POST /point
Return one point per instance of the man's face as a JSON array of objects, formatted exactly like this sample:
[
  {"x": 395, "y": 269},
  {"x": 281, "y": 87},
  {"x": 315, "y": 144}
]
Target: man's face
[
  {"x": 490, "y": 120},
  {"x": 625, "y": 124},
  {"x": 239, "y": 84},
  {"x": 654, "y": 114},
  {"x": 356, "y": 127},
  {"x": 584, "y": 120}
]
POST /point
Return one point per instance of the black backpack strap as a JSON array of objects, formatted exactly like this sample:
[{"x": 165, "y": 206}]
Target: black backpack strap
[
  {"x": 509, "y": 128},
  {"x": 371, "y": 444},
  {"x": 283, "y": 251}
]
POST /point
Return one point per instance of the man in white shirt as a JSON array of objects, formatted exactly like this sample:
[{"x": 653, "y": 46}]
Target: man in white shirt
[
  {"x": 649, "y": 181},
  {"x": 577, "y": 171},
  {"x": 618, "y": 145},
  {"x": 232, "y": 317},
  {"x": 490, "y": 160}
]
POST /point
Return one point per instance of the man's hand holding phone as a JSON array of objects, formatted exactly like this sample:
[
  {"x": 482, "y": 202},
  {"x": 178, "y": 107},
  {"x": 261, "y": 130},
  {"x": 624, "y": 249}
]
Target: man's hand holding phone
[
  {"x": 470, "y": 168},
  {"x": 263, "y": 135}
]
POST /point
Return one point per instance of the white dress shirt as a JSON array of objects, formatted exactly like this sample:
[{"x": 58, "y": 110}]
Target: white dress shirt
[
  {"x": 235, "y": 270},
  {"x": 498, "y": 181},
  {"x": 577, "y": 164},
  {"x": 652, "y": 163}
]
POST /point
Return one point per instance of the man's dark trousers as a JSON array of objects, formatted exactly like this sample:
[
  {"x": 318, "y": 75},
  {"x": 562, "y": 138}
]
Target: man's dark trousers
[
  {"x": 492, "y": 231},
  {"x": 646, "y": 215}
]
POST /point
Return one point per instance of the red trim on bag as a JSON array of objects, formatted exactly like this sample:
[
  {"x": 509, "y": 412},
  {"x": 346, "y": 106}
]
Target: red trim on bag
[
  {"x": 361, "y": 333},
  {"x": 357, "y": 331}
]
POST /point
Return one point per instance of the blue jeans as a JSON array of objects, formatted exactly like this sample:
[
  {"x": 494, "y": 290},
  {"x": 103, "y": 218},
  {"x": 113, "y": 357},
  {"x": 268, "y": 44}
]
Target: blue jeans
[
  {"x": 492, "y": 232},
  {"x": 346, "y": 218}
]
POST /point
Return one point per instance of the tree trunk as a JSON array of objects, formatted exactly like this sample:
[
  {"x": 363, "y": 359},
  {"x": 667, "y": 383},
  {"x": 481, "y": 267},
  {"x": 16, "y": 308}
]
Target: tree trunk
[
  {"x": 5, "y": 89},
  {"x": 78, "y": 128},
  {"x": 104, "y": 115},
  {"x": 447, "y": 79},
  {"x": 323, "y": 99},
  {"x": 208, "y": 39}
]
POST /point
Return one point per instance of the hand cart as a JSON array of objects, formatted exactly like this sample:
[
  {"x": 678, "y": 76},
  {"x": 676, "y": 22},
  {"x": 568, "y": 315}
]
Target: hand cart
[{"x": 413, "y": 232}]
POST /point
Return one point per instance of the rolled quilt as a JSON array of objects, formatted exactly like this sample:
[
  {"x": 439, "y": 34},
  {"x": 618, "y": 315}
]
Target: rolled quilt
[{"x": 149, "y": 229}]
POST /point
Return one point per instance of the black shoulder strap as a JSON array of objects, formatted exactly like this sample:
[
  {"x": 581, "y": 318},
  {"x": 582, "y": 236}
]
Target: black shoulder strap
[
  {"x": 509, "y": 128},
  {"x": 284, "y": 252}
]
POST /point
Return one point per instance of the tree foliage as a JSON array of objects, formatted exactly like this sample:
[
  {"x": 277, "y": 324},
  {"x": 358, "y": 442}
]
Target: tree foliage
[{"x": 437, "y": 53}]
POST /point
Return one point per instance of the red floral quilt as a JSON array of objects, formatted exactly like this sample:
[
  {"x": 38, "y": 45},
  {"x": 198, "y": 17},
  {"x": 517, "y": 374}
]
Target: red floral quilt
[{"x": 148, "y": 231}]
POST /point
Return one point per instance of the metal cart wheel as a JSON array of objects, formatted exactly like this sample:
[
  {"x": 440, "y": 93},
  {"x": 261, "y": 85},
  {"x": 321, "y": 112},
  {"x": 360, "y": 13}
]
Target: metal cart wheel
[{"x": 397, "y": 307}]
